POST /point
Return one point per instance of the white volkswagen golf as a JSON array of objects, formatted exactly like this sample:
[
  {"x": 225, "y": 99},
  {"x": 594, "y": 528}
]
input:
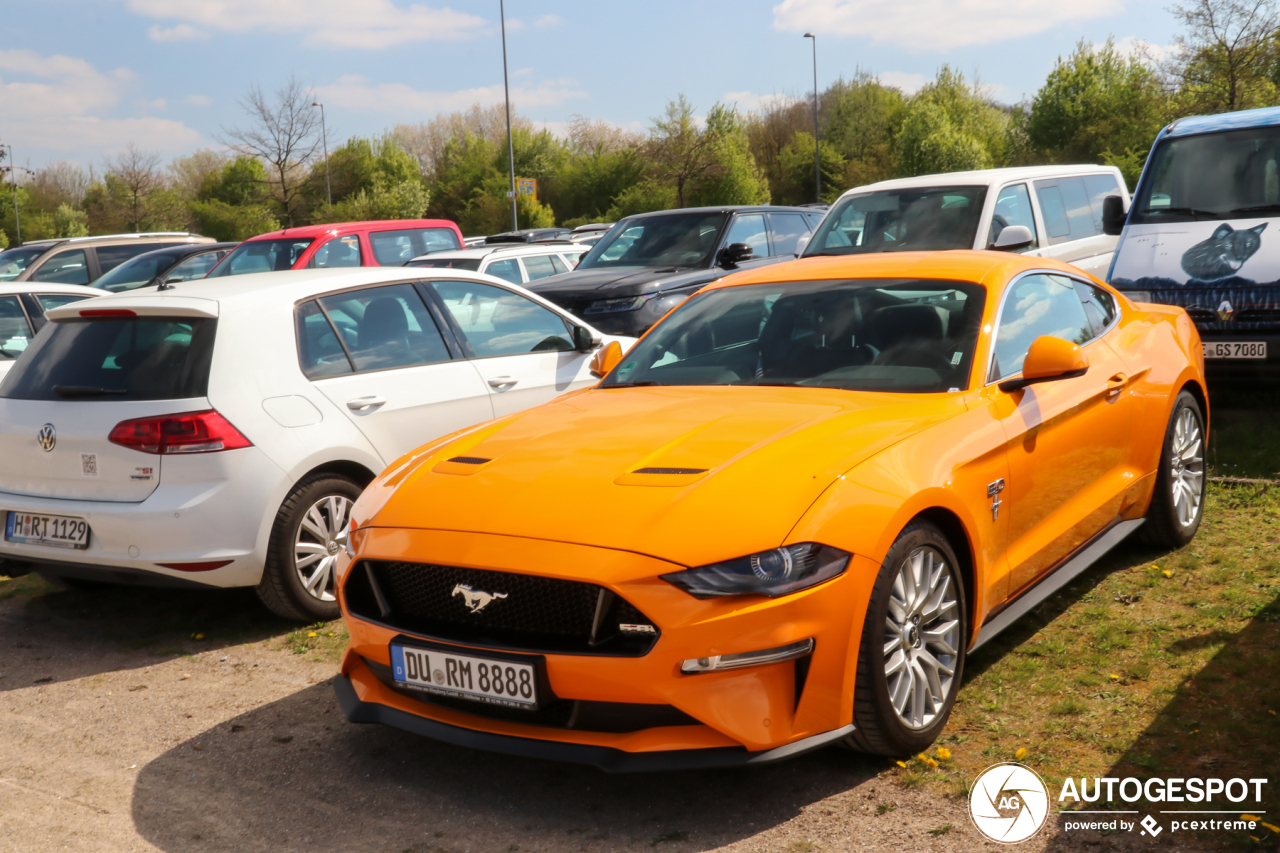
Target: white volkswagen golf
[{"x": 217, "y": 432}]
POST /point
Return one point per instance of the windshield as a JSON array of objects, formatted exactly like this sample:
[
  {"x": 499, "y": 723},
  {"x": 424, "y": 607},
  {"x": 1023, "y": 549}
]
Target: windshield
[
  {"x": 1233, "y": 175},
  {"x": 262, "y": 256},
  {"x": 921, "y": 219},
  {"x": 670, "y": 240},
  {"x": 14, "y": 261},
  {"x": 135, "y": 273},
  {"x": 908, "y": 335},
  {"x": 446, "y": 263}
]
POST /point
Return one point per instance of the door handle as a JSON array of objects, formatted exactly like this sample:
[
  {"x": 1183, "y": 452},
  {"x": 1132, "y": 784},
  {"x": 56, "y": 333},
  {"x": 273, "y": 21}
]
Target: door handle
[
  {"x": 502, "y": 381},
  {"x": 1116, "y": 383},
  {"x": 359, "y": 404}
]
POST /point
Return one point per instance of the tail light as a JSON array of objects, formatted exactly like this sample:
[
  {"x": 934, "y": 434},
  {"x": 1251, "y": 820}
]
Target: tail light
[{"x": 189, "y": 432}]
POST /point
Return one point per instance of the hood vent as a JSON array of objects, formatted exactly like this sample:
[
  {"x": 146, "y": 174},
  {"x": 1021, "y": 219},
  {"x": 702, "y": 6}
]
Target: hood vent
[
  {"x": 670, "y": 471},
  {"x": 470, "y": 460}
]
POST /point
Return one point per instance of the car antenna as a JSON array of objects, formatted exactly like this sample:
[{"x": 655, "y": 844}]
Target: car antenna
[{"x": 164, "y": 284}]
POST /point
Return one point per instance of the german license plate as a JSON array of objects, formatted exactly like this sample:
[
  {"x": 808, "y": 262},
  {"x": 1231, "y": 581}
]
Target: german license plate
[
  {"x": 59, "y": 531},
  {"x": 495, "y": 682},
  {"x": 1236, "y": 349}
]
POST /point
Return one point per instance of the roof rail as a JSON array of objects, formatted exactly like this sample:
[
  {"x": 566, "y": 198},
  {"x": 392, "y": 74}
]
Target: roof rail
[{"x": 134, "y": 235}]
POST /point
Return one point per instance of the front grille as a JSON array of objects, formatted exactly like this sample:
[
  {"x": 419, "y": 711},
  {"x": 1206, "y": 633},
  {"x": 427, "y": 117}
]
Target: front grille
[
  {"x": 499, "y": 610},
  {"x": 1202, "y": 315},
  {"x": 579, "y": 715}
]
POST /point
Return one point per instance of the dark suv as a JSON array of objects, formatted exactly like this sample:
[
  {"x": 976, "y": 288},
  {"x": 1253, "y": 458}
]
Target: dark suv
[{"x": 649, "y": 263}]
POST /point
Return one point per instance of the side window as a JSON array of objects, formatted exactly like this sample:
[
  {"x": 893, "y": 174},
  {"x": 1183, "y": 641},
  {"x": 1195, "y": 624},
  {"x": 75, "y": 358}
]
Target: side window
[
  {"x": 786, "y": 229},
  {"x": 1065, "y": 207},
  {"x": 1036, "y": 305},
  {"x": 1099, "y": 187},
  {"x": 393, "y": 248},
  {"x": 540, "y": 266},
  {"x": 749, "y": 229},
  {"x": 195, "y": 267},
  {"x": 320, "y": 353},
  {"x": 572, "y": 258},
  {"x": 338, "y": 252},
  {"x": 14, "y": 331},
  {"x": 1099, "y": 306},
  {"x": 1013, "y": 207},
  {"x": 67, "y": 267},
  {"x": 386, "y": 327},
  {"x": 498, "y": 322},
  {"x": 110, "y": 257},
  {"x": 507, "y": 270}
]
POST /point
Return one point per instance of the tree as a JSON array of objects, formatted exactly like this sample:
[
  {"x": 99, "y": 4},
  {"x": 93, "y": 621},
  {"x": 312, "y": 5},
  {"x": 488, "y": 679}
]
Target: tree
[
  {"x": 284, "y": 134},
  {"x": 136, "y": 176},
  {"x": 770, "y": 130},
  {"x": 950, "y": 127},
  {"x": 190, "y": 173},
  {"x": 1225, "y": 58},
  {"x": 734, "y": 177},
  {"x": 861, "y": 119},
  {"x": 234, "y": 202},
  {"x": 679, "y": 151},
  {"x": 597, "y": 164},
  {"x": 795, "y": 168}
]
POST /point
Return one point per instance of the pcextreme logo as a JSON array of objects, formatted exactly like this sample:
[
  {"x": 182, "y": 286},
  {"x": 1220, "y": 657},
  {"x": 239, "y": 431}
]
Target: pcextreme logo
[{"x": 1009, "y": 803}]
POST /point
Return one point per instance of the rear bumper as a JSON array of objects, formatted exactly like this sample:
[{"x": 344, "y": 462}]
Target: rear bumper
[
  {"x": 605, "y": 758},
  {"x": 1242, "y": 368}
]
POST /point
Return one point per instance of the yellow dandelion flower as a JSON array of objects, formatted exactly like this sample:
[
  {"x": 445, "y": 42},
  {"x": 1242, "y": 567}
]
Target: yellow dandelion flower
[
  {"x": 1195, "y": 731},
  {"x": 1270, "y": 827},
  {"x": 1167, "y": 573},
  {"x": 1021, "y": 753},
  {"x": 1115, "y": 676},
  {"x": 1271, "y": 712},
  {"x": 944, "y": 753},
  {"x": 932, "y": 763},
  {"x": 199, "y": 636},
  {"x": 901, "y": 764},
  {"x": 1249, "y": 817},
  {"x": 312, "y": 634}
]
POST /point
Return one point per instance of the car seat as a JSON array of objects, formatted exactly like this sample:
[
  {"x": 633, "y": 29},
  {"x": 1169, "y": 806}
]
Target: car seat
[{"x": 908, "y": 336}]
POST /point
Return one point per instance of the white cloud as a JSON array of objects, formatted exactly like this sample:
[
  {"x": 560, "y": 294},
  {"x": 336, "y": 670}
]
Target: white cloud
[
  {"x": 362, "y": 95},
  {"x": 548, "y": 21},
  {"x": 157, "y": 104},
  {"x": 368, "y": 24},
  {"x": 935, "y": 24},
  {"x": 182, "y": 32},
  {"x": 750, "y": 101},
  {"x": 60, "y": 103},
  {"x": 907, "y": 82},
  {"x": 198, "y": 100},
  {"x": 1132, "y": 46}
]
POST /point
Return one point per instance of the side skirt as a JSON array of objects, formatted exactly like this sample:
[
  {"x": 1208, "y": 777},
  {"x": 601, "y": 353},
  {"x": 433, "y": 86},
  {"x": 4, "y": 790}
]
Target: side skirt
[{"x": 1056, "y": 580}]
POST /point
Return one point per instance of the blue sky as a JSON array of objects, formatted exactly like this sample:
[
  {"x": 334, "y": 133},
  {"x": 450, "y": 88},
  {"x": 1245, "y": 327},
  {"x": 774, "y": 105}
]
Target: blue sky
[{"x": 83, "y": 78}]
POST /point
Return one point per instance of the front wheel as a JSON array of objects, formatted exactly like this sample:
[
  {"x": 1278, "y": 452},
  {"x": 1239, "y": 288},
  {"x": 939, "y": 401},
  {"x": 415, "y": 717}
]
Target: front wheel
[
  {"x": 911, "y": 656},
  {"x": 1177, "y": 504},
  {"x": 310, "y": 531}
]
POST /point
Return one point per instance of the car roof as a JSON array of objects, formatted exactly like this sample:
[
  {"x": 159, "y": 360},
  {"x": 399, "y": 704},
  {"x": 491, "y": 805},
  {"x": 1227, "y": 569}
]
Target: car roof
[
  {"x": 983, "y": 177},
  {"x": 1262, "y": 117},
  {"x": 547, "y": 248},
  {"x": 44, "y": 287},
  {"x": 728, "y": 208},
  {"x": 119, "y": 238},
  {"x": 313, "y": 231},
  {"x": 186, "y": 249}
]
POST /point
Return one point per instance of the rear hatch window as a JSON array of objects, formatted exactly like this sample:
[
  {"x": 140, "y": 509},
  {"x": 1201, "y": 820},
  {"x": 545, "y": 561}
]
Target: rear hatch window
[{"x": 115, "y": 359}]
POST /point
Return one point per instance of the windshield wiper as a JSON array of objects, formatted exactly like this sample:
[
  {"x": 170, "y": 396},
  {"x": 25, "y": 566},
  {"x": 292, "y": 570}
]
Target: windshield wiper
[
  {"x": 1182, "y": 211},
  {"x": 85, "y": 391},
  {"x": 1260, "y": 208},
  {"x": 643, "y": 383}
]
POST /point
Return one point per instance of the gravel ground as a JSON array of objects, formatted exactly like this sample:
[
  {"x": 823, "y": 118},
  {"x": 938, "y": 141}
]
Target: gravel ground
[{"x": 113, "y": 745}]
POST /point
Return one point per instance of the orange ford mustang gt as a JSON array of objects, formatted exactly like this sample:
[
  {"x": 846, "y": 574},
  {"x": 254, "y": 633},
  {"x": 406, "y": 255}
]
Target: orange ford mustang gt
[{"x": 780, "y": 520}]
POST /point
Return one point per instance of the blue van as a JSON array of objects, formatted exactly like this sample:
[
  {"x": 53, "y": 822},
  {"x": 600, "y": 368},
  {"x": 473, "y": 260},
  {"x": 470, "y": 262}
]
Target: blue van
[{"x": 1203, "y": 232}]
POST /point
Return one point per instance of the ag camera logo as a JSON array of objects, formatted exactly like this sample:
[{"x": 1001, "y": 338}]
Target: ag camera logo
[{"x": 1009, "y": 803}]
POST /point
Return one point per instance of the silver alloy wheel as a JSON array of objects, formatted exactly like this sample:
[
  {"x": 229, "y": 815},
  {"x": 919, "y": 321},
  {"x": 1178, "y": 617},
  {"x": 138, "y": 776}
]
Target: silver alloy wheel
[
  {"x": 321, "y": 537},
  {"x": 922, "y": 637},
  {"x": 1187, "y": 467}
]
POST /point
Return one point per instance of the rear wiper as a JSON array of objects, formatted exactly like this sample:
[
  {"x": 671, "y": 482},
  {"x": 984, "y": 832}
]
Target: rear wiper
[
  {"x": 1261, "y": 208},
  {"x": 85, "y": 391},
  {"x": 1182, "y": 211}
]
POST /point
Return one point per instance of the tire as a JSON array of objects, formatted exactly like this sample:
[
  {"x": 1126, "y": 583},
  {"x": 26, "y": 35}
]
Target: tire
[
  {"x": 312, "y": 523},
  {"x": 1177, "y": 504},
  {"x": 896, "y": 708}
]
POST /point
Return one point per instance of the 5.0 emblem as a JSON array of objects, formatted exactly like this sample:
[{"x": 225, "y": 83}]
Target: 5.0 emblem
[
  {"x": 47, "y": 437},
  {"x": 476, "y": 599}
]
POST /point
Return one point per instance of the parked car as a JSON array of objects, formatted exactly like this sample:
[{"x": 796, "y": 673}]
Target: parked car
[
  {"x": 472, "y": 242},
  {"x": 590, "y": 234},
  {"x": 518, "y": 263},
  {"x": 82, "y": 260},
  {"x": 387, "y": 243},
  {"x": 1059, "y": 206},
  {"x": 22, "y": 307},
  {"x": 648, "y": 264},
  {"x": 216, "y": 434},
  {"x": 1204, "y": 233},
  {"x": 780, "y": 520},
  {"x": 165, "y": 266},
  {"x": 527, "y": 235}
]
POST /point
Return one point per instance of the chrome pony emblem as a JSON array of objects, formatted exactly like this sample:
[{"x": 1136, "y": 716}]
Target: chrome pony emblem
[
  {"x": 476, "y": 599},
  {"x": 1226, "y": 312},
  {"x": 47, "y": 437}
]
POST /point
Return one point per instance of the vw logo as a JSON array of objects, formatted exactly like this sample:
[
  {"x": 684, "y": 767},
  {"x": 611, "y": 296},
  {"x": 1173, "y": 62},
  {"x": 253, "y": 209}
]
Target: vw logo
[
  {"x": 1225, "y": 311},
  {"x": 47, "y": 437}
]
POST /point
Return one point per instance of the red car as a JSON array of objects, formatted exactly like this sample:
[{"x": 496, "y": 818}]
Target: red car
[{"x": 384, "y": 243}]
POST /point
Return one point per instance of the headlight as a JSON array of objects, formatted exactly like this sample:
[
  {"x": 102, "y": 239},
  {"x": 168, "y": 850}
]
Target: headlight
[
  {"x": 613, "y": 306},
  {"x": 772, "y": 573}
]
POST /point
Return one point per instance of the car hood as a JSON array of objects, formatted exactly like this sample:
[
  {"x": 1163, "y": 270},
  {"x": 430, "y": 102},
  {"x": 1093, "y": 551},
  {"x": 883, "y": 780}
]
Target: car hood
[
  {"x": 736, "y": 467},
  {"x": 621, "y": 281}
]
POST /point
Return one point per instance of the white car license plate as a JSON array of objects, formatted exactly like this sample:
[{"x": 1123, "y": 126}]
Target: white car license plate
[
  {"x": 496, "y": 682},
  {"x": 1236, "y": 349},
  {"x": 59, "y": 531}
]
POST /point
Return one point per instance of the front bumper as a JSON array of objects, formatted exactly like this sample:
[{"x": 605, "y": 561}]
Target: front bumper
[
  {"x": 1242, "y": 368},
  {"x": 750, "y": 712}
]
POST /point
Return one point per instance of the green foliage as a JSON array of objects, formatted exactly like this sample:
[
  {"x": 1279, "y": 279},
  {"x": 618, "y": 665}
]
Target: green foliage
[
  {"x": 644, "y": 197},
  {"x": 1129, "y": 163},
  {"x": 229, "y": 223},
  {"x": 861, "y": 121},
  {"x": 795, "y": 165},
  {"x": 733, "y": 177},
  {"x": 406, "y": 199},
  {"x": 950, "y": 127}
]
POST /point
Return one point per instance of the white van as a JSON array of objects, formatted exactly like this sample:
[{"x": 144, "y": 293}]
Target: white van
[
  {"x": 1061, "y": 207},
  {"x": 1204, "y": 233}
]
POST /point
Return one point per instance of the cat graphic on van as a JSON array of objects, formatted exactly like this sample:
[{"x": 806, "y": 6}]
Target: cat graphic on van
[{"x": 1223, "y": 253}]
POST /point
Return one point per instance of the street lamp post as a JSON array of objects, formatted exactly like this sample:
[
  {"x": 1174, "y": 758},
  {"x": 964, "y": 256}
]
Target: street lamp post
[
  {"x": 324, "y": 134},
  {"x": 511, "y": 150},
  {"x": 817, "y": 158},
  {"x": 13, "y": 177}
]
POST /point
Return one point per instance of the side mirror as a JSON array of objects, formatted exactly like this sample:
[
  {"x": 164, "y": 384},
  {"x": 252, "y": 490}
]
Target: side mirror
[
  {"x": 734, "y": 254},
  {"x": 802, "y": 244},
  {"x": 583, "y": 340},
  {"x": 606, "y": 359},
  {"x": 1048, "y": 359},
  {"x": 1012, "y": 238},
  {"x": 1113, "y": 215}
]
